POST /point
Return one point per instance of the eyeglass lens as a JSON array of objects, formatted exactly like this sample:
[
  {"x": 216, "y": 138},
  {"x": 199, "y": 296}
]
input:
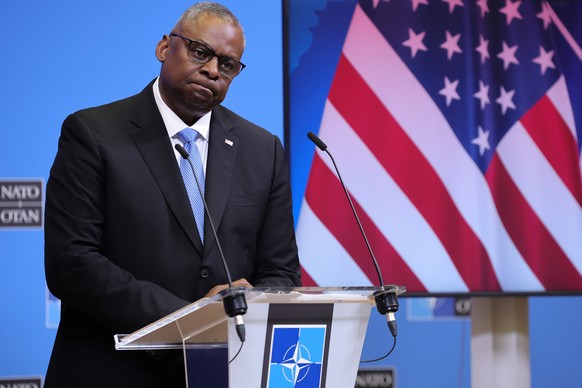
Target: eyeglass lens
[{"x": 202, "y": 54}]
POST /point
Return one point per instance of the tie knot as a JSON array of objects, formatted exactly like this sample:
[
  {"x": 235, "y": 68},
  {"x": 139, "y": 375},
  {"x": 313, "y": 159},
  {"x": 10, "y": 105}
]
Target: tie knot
[{"x": 187, "y": 135}]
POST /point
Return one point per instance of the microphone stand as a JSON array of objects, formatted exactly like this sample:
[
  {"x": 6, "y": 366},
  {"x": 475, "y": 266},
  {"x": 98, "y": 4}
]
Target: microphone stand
[
  {"x": 386, "y": 300},
  {"x": 233, "y": 300}
]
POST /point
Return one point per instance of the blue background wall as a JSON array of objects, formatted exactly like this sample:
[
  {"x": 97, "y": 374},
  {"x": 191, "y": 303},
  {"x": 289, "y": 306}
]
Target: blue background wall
[{"x": 64, "y": 55}]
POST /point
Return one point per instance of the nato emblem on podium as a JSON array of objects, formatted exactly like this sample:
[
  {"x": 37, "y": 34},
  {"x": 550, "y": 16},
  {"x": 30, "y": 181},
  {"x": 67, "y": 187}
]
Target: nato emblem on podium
[
  {"x": 296, "y": 352},
  {"x": 296, "y": 356}
]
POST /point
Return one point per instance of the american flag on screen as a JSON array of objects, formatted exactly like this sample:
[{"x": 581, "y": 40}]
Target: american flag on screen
[{"x": 453, "y": 129}]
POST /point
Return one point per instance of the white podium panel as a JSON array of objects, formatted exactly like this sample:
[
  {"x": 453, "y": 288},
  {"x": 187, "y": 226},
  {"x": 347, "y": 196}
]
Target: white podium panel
[
  {"x": 308, "y": 334},
  {"x": 296, "y": 343}
]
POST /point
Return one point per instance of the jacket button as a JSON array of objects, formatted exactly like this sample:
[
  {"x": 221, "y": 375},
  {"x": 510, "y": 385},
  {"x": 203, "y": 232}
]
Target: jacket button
[{"x": 204, "y": 272}]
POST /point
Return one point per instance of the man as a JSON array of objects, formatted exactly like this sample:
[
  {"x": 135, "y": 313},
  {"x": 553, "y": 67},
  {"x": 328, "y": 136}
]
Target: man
[{"x": 122, "y": 247}]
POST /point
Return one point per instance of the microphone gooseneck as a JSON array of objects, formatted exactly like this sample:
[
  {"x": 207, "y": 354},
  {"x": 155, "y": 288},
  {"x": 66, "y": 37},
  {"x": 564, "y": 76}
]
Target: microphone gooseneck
[
  {"x": 233, "y": 300},
  {"x": 386, "y": 300}
]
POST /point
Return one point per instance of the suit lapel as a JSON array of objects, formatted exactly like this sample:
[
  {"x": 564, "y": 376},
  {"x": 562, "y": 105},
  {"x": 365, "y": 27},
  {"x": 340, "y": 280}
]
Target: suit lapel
[
  {"x": 222, "y": 150},
  {"x": 152, "y": 140}
]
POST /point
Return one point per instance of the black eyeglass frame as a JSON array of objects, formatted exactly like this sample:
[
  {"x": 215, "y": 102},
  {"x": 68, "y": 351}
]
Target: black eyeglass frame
[{"x": 219, "y": 57}]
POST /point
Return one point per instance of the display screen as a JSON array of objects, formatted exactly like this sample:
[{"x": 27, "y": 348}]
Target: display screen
[{"x": 455, "y": 128}]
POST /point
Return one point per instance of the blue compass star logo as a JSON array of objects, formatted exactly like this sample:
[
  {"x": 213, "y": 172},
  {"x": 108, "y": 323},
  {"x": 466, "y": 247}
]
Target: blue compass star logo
[{"x": 296, "y": 358}]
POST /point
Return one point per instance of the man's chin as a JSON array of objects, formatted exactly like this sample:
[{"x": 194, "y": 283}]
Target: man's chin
[{"x": 203, "y": 108}]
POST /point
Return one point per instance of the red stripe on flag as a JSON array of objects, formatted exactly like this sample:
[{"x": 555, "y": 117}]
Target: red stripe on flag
[
  {"x": 328, "y": 201},
  {"x": 306, "y": 279},
  {"x": 544, "y": 256},
  {"x": 406, "y": 164},
  {"x": 550, "y": 132}
]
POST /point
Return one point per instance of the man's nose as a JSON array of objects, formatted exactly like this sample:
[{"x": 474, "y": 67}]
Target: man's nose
[{"x": 212, "y": 67}]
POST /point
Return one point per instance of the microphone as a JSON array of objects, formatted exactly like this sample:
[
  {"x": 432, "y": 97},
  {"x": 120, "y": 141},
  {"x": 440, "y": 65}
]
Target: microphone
[
  {"x": 233, "y": 301},
  {"x": 386, "y": 301}
]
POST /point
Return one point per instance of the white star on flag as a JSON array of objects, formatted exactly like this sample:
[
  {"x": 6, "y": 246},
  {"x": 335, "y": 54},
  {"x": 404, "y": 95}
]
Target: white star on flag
[
  {"x": 505, "y": 99},
  {"x": 545, "y": 15},
  {"x": 451, "y": 44},
  {"x": 484, "y": 7},
  {"x": 483, "y": 94},
  {"x": 508, "y": 55},
  {"x": 414, "y": 41},
  {"x": 511, "y": 11},
  {"x": 483, "y": 48},
  {"x": 450, "y": 90},
  {"x": 482, "y": 140},
  {"x": 545, "y": 60},
  {"x": 453, "y": 4}
]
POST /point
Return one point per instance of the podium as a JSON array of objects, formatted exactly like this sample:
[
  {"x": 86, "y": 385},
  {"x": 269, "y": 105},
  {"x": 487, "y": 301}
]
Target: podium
[{"x": 303, "y": 336}]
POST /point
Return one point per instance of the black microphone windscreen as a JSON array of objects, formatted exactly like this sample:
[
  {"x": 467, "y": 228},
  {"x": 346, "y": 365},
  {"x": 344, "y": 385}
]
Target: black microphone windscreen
[
  {"x": 182, "y": 151},
  {"x": 320, "y": 144}
]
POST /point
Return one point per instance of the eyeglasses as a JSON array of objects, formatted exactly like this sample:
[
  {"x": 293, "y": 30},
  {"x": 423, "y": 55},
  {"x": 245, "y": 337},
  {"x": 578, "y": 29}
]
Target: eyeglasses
[{"x": 201, "y": 53}]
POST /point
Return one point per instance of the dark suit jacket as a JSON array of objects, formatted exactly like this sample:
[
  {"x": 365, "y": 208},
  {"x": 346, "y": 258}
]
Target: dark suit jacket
[{"x": 121, "y": 245}]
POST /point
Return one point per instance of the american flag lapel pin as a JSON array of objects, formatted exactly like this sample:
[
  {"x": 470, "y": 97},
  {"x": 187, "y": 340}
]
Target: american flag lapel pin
[{"x": 229, "y": 142}]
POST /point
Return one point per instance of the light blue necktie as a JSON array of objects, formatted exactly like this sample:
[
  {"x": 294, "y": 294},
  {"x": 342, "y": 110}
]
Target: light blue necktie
[{"x": 188, "y": 137}]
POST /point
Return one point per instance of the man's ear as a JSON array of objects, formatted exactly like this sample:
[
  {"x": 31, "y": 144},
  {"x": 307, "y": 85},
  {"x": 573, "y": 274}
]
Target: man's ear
[{"x": 162, "y": 48}]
